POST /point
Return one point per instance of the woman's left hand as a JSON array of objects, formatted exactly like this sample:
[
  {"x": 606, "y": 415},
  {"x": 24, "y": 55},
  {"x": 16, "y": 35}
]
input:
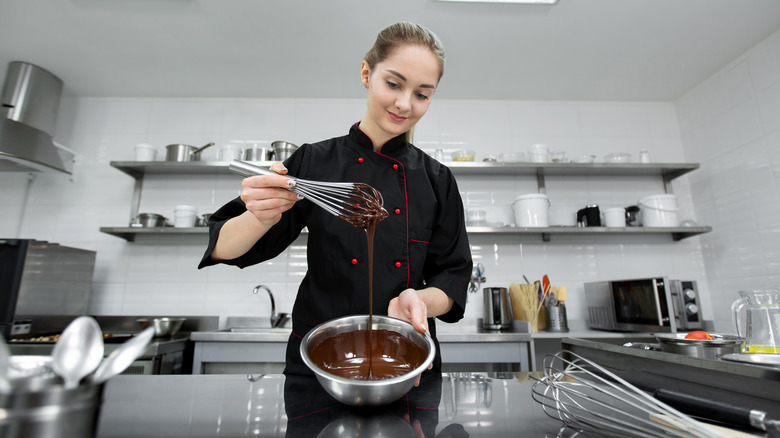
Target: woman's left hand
[{"x": 408, "y": 306}]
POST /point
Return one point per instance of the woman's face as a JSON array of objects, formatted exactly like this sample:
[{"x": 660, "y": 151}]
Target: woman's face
[{"x": 400, "y": 89}]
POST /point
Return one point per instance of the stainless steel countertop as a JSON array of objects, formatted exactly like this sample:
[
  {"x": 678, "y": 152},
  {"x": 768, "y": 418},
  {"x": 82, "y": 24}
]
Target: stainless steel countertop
[
  {"x": 274, "y": 405},
  {"x": 258, "y": 330}
]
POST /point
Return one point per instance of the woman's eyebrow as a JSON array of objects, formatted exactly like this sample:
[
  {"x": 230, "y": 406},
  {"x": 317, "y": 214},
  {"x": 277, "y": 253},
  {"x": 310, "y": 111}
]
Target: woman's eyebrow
[{"x": 403, "y": 78}]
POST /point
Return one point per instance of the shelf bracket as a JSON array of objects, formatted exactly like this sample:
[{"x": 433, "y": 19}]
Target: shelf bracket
[{"x": 540, "y": 182}]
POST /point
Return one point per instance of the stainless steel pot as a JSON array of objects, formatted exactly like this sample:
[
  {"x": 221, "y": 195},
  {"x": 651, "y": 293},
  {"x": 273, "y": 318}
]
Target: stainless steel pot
[
  {"x": 283, "y": 150},
  {"x": 258, "y": 153},
  {"x": 184, "y": 152},
  {"x": 149, "y": 220},
  {"x": 701, "y": 348}
]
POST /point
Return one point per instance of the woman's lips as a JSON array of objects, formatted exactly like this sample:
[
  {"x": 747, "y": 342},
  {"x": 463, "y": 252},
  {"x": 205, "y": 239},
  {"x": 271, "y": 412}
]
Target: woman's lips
[{"x": 396, "y": 117}]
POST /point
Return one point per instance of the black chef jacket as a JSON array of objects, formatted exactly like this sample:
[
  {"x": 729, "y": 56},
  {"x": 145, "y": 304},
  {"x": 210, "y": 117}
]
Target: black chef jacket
[{"x": 422, "y": 243}]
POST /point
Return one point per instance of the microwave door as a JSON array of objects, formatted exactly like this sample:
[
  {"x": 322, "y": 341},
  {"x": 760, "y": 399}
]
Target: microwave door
[
  {"x": 664, "y": 304},
  {"x": 638, "y": 305}
]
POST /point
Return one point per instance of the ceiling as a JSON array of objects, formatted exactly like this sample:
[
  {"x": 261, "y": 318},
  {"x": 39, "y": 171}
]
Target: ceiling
[{"x": 636, "y": 50}]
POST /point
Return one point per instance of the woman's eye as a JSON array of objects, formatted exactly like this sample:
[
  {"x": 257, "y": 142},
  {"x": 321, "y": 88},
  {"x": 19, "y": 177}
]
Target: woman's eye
[
  {"x": 393, "y": 85},
  {"x": 421, "y": 96}
]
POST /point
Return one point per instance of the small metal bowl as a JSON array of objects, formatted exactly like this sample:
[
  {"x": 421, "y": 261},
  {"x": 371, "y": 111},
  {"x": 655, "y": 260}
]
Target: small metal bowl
[
  {"x": 366, "y": 392},
  {"x": 702, "y": 348},
  {"x": 163, "y": 327}
]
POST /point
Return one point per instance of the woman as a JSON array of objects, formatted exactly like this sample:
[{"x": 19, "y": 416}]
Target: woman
[{"x": 422, "y": 261}]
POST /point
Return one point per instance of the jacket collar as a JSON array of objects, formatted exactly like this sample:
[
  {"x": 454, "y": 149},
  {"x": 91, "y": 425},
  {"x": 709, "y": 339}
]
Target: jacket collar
[{"x": 394, "y": 145}]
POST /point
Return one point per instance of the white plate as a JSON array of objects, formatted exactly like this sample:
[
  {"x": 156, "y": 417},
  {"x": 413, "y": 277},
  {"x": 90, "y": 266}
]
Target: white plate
[{"x": 772, "y": 360}]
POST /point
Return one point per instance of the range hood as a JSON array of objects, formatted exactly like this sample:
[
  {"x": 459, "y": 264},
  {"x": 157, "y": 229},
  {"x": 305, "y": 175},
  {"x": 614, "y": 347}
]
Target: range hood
[{"x": 30, "y": 100}]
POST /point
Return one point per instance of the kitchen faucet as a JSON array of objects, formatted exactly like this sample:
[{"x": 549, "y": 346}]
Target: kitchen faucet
[{"x": 276, "y": 320}]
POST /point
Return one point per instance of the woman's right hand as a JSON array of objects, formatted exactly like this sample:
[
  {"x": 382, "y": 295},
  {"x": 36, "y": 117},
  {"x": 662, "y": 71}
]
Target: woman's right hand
[{"x": 268, "y": 196}]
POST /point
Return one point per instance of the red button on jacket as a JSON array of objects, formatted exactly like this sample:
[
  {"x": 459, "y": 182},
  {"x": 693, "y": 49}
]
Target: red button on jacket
[
  {"x": 354, "y": 261},
  {"x": 397, "y": 264}
]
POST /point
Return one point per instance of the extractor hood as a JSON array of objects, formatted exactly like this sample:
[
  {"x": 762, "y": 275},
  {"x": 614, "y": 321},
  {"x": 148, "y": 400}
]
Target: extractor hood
[{"x": 30, "y": 100}]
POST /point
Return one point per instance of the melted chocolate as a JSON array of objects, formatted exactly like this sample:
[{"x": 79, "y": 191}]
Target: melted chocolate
[
  {"x": 365, "y": 207},
  {"x": 351, "y": 354}
]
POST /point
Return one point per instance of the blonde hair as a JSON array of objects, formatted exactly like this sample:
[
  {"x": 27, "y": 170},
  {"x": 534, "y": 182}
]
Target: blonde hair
[{"x": 400, "y": 34}]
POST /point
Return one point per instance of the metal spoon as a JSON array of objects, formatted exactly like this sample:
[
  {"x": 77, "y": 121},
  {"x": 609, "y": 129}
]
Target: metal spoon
[
  {"x": 122, "y": 357},
  {"x": 5, "y": 358},
  {"x": 78, "y": 351}
]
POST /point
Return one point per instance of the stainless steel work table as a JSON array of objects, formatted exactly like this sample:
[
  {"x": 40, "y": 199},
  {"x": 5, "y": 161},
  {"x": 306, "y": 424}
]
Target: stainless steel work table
[
  {"x": 465, "y": 347},
  {"x": 449, "y": 404}
]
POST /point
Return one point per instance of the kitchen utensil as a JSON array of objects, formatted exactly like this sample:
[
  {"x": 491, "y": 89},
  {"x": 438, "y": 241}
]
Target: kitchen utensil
[
  {"x": 766, "y": 359},
  {"x": 719, "y": 410},
  {"x": 532, "y": 210},
  {"x": 497, "y": 309},
  {"x": 352, "y": 202},
  {"x": 562, "y": 295},
  {"x": 525, "y": 303},
  {"x": 590, "y": 216},
  {"x": 761, "y": 322},
  {"x": 122, "y": 357},
  {"x": 586, "y": 396},
  {"x": 185, "y": 216},
  {"x": 184, "y": 152},
  {"x": 539, "y": 153},
  {"x": 703, "y": 348},
  {"x": 145, "y": 152},
  {"x": 42, "y": 407},
  {"x": 659, "y": 210},
  {"x": 24, "y": 366},
  {"x": 283, "y": 150},
  {"x": 257, "y": 152},
  {"x": 463, "y": 155},
  {"x": 555, "y": 317},
  {"x": 366, "y": 392},
  {"x": 5, "y": 359},
  {"x": 78, "y": 351},
  {"x": 149, "y": 220},
  {"x": 230, "y": 152},
  {"x": 619, "y": 157},
  {"x": 585, "y": 159},
  {"x": 615, "y": 217},
  {"x": 163, "y": 327},
  {"x": 632, "y": 216}
]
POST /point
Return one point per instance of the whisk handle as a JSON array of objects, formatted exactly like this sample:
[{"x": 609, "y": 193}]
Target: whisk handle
[
  {"x": 712, "y": 409},
  {"x": 245, "y": 169}
]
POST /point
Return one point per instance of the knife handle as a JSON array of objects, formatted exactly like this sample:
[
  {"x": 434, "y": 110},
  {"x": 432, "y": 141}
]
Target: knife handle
[{"x": 712, "y": 409}]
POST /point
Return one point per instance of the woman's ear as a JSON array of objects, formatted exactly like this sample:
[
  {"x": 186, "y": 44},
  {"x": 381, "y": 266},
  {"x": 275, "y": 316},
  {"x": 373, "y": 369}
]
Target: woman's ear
[{"x": 365, "y": 72}]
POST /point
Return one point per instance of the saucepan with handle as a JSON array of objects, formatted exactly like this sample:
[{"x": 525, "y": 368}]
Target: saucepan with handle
[{"x": 184, "y": 152}]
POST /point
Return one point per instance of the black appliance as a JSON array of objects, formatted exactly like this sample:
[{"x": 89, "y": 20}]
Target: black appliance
[{"x": 41, "y": 278}]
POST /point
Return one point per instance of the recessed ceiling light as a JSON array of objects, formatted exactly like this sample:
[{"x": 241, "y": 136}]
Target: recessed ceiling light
[{"x": 538, "y": 2}]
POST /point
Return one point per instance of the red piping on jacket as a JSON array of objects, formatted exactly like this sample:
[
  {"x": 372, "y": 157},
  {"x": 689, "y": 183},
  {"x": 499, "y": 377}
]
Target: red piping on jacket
[{"x": 406, "y": 201}]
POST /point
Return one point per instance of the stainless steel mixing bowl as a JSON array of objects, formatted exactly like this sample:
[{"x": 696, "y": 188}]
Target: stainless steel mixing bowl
[
  {"x": 163, "y": 327},
  {"x": 366, "y": 392}
]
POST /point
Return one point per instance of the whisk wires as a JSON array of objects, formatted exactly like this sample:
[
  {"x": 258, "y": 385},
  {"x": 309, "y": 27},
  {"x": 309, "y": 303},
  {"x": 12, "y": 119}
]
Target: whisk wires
[{"x": 586, "y": 396}]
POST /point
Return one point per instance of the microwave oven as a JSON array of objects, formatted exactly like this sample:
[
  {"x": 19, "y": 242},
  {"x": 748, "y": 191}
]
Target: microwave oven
[{"x": 655, "y": 304}]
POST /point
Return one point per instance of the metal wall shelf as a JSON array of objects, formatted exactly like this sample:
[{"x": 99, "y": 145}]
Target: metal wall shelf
[
  {"x": 666, "y": 171},
  {"x": 677, "y": 233}
]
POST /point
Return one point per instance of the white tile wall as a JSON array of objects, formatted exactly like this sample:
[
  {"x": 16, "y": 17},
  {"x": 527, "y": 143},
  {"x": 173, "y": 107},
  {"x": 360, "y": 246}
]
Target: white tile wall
[
  {"x": 731, "y": 124},
  {"x": 159, "y": 275}
]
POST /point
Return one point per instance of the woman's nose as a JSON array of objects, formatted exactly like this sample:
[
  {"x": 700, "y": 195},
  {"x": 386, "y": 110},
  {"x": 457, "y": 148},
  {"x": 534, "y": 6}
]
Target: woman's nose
[{"x": 403, "y": 102}]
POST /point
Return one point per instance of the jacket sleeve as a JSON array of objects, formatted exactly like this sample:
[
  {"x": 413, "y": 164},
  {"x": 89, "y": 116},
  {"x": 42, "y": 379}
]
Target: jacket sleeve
[
  {"x": 448, "y": 263},
  {"x": 276, "y": 240}
]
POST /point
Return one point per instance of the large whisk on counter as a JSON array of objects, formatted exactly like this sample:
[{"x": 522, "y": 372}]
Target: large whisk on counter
[
  {"x": 587, "y": 397},
  {"x": 358, "y": 204}
]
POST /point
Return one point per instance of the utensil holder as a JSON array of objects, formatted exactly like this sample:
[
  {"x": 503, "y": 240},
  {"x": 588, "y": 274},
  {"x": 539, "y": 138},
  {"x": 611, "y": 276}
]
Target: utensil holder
[
  {"x": 52, "y": 412},
  {"x": 556, "y": 319}
]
